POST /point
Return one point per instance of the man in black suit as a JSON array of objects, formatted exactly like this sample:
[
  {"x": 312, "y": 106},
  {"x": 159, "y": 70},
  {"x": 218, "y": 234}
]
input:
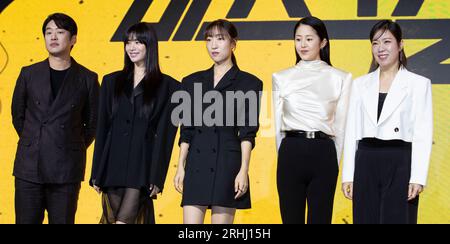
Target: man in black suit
[{"x": 54, "y": 111}]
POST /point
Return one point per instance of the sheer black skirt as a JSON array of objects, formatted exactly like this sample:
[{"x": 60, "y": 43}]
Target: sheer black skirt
[{"x": 127, "y": 205}]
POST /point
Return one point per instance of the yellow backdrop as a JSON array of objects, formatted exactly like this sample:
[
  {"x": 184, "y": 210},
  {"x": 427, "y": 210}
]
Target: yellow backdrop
[{"x": 22, "y": 44}]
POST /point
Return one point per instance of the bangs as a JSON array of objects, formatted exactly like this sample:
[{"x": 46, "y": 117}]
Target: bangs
[
  {"x": 215, "y": 30},
  {"x": 133, "y": 35},
  {"x": 382, "y": 31}
]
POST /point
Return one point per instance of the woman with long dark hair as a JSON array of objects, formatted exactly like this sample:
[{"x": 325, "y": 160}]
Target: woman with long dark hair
[
  {"x": 389, "y": 135},
  {"x": 310, "y": 103},
  {"x": 214, "y": 157},
  {"x": 135, "y": 134}
]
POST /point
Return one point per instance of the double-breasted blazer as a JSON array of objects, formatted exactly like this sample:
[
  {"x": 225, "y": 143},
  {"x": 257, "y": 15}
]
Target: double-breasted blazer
[
  {"x": 215, "y": 156},
  {"x": 54, "y": 133},
  {"x": 133, "y": 148}
]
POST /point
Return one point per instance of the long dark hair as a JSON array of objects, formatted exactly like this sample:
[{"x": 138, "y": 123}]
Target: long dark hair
[
  {"x": 396, "y": 30},
  {"x": 321, "y": 31},
  {"x": 145, "y": 34},
  {"x": 226, "y": 28}
]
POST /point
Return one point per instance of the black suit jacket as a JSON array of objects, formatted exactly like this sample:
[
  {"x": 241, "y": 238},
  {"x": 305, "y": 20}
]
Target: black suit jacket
[
  {"x": 215, "y": 156},
  {"x": 54, "y": 133},
  {"x": 131, "y": 150}
]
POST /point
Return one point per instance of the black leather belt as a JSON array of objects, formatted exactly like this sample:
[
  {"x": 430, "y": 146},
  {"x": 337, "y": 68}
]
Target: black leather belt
[
  {"x": 307, "y": 134},
  {"x": 377, "y": 143}
]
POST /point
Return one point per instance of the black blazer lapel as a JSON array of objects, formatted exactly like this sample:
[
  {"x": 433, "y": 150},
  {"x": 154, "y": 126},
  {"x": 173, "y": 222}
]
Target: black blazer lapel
[
  {"x": 45, "y": 91},
  {"x": 227, "y": 79},
  {"x": 207, "y": 80}
]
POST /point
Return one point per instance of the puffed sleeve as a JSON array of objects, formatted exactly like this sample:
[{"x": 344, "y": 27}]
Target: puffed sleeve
[
  {"x": 187, "y": 131},
  {"x": 252, "y": 110},
  {"x": 277, "y": 108},
  {"x": 340, "y": 116},
  {"x": 423, "y": 134},
  {"x": 350, "y": 139}
]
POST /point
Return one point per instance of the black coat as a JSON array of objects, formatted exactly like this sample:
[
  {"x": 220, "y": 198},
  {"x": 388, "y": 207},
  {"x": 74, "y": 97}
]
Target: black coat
[
  {"x": 215, "y": 156},
  {"x": 133, "y": 149},
  {"x": 54, "y": 133}
]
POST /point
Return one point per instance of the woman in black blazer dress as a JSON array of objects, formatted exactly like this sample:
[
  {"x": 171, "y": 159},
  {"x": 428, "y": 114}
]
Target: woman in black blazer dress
[
  {"x": 215, "y": 153},
  {"x": 135, "y": 135}
]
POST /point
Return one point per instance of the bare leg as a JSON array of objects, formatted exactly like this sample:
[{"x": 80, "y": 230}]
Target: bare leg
[
  {"x": 221, "y": 215},
  {"x": 194, "y": 214}
]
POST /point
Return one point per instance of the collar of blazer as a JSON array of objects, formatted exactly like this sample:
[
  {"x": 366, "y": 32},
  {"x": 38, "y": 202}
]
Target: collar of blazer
[
  {"x": 68, "y": 89},
  {"x": 138, "y": 90},
  {"x": 396, "y": 95},
  {"x": 158, "y": 102},
  {"x": 226, "y": 81}
]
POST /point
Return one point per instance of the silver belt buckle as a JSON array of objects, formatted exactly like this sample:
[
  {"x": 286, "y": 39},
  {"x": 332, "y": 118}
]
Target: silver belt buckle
[{"x": 310, "y": 134}]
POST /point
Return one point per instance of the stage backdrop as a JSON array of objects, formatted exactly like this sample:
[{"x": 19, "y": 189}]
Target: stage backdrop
[{"x": 265, "y": 46}]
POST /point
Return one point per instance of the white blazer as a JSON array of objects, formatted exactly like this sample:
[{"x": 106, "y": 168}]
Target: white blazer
[{"x": 407, "y": 115}]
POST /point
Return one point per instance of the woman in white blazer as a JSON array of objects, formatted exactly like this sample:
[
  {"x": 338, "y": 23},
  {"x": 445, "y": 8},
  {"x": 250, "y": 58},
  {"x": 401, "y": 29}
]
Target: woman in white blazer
[
  {"x": 388, "y": 135},
  {"x": 310, "y": 103}
]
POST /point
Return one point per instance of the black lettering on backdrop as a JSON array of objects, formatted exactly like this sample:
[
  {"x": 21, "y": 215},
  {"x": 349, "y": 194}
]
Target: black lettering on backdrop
[
  {"x": 427, "y": 62},
  {"x": 369, "y": 8},
  {"x": 4, "y": 4}
]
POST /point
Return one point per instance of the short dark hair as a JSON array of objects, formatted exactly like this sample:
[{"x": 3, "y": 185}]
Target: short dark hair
[
  {"x": 396, "y": 30},
  {"x": 63, "y": 21},
  {"x": 321, "y": 30}
]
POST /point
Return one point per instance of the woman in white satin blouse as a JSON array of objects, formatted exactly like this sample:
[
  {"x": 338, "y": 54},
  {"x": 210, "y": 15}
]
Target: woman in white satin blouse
[{"x": 310, "y": 103}]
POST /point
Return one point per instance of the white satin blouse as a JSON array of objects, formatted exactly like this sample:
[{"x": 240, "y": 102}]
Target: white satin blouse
[{"x": 311, "y": 96}]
